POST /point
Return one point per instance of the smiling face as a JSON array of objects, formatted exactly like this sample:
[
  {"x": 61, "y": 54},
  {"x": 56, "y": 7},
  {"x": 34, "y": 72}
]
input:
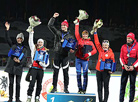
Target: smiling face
[
  {"x": 129, "y": 40},
  {"x": 19, "y": 40},
  {"x": 85, "y": 36},
  {"x": 105, "y": 46},
  {"x": 40, "y": 44},
  {"x": 64, "y": 28}
]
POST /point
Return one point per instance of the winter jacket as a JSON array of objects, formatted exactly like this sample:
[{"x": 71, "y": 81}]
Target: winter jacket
[
  {"x": 102, "y": 54},
  {"x": 58, "y": 37},
  {"x": 81, "y": 42},
  {"x": 13, "y": 67},
  {"x": 133, "y": 54},
  {"x": 35, "y": 64}
]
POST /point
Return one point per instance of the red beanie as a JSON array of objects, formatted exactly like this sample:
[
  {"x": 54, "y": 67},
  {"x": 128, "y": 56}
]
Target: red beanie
[
  {"x": 65, "y": 22},
  {"x": 131, "y": 35}
]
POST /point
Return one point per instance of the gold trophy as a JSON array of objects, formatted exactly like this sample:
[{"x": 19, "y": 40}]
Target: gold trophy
[
  {"x": 34, "y": 21},
  {"x": 82, "y": 15},
  {"x": 97, "y": 24}
]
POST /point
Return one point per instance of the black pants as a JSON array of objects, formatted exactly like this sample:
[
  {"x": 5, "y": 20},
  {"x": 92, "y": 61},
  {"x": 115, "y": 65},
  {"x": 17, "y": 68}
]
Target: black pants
[
  {"x": 11, "y": 85},
  {"x": 61, "y": 62},
  {"x": 103, "y": 79},
  {"x": 124, "y": 78},
  {"x": 37, "y": 75}
]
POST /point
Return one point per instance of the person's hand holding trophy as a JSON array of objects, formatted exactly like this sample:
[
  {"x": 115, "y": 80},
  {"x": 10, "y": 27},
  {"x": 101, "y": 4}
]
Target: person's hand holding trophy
[
  {"x": 34, "y": 21},
  {"x": 97, "y": 24},
  {"x": 82, "y": 15}
]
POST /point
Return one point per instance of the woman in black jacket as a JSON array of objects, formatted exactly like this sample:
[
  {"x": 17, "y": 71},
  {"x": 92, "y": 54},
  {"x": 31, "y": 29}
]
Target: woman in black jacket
[{"x": 17, "y": 57}]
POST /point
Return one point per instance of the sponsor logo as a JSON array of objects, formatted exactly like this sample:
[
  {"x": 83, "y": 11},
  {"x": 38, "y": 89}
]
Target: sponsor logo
[
  {"x": 88, "y": 100},
  {"x": 47, "y": 87},
  {"x": 3, "y": 87},
  {"x": 127, "y": 93},
  {"x": 71, "y": 101}
]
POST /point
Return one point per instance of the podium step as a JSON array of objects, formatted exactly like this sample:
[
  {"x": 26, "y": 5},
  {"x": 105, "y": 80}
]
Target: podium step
[{"x": 71, "y": 97}]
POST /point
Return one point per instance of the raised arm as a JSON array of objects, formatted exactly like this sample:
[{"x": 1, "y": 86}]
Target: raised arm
[
  {"x": 77, "y": 35},
  {"x": 51, "y": 26},
  {"x": 31, "y": 43},
  {"x": 7, "y": 37},
  {"x": 97, "y": 43}
]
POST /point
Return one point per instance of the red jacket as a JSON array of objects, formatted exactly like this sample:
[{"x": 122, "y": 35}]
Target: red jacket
[
  {"x": 81, "y": 42},
  {"x": 133, "y": 53},
  {"x": 35, "y": 64},
  {"x": 102, "y": 55}
]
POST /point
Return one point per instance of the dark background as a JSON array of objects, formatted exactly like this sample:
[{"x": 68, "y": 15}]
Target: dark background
[
  {"x": 115, "y": 11},
  {"x": 118, "y": 15}
]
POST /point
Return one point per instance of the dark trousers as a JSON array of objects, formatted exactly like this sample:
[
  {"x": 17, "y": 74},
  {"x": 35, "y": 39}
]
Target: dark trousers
[
  {"x": 58, "y": 63},
  {"x": 11, "y": 85},
  {"x": 103, "y": 79},
  {"x": 37, "y": 75},
  {"x": 124, "y": 78}
]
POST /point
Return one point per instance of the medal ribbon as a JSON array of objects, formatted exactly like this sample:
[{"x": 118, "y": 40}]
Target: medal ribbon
[
  {"x": 63, "y": 35},
  {"x": 130, "y": 48},
  {"x": 20, "y": 48}
]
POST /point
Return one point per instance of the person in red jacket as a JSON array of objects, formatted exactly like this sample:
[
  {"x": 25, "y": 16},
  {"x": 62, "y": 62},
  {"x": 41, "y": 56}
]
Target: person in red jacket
[
  {"x": 103, "y": 76},
  {"x": 129, "y": 54},
  {"x": 81, "y": 58}
]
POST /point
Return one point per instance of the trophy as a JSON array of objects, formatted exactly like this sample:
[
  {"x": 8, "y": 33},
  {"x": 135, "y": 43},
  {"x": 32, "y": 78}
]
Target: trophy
[
  {"x": 108, "y": 64},
  {"x": 97, "y": 24},
  {"x": 16, "y": 53},
  {"x": 69, "y": 44},
  {"x": 34, "y": 21},
  {"x": 82, "y": 15},
  {"x": 41, "y": 56}
]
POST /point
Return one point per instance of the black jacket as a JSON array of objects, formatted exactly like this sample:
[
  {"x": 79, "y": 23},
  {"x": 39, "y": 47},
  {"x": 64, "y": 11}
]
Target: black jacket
[
  {"x": 13, "y": 67},
  {"x": 58, "y": 37}
]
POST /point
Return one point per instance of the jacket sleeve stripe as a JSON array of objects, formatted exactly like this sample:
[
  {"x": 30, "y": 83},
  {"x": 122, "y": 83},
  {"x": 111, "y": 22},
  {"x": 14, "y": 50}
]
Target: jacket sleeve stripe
[
  {"x": 136, "y": 64},
  {"x": 121, "y": 61}
]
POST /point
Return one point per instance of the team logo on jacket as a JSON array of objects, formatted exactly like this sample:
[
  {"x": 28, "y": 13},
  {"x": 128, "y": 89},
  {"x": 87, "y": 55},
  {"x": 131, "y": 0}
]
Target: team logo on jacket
[
  {"x": 106, "y": 55},
  {"x": 47, "y": 87}
]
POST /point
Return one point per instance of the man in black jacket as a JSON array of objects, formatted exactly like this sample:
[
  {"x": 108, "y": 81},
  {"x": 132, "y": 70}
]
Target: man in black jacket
[
  {"x": 61, "y": 54},
  {"x": 15, "y": 64}
]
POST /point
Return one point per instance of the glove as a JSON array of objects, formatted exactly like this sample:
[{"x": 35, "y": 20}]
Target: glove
[
  {"x": 87, "y": 55},
  {"x": 42, "y": 64}
]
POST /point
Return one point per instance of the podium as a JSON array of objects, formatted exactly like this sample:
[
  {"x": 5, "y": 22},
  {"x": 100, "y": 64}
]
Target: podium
[{"x": 71, "y": 97}]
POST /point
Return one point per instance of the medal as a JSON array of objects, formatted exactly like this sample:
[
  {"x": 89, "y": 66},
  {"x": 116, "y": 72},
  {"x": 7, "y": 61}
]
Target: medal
[
  {"x": 62, "y": 40},
  {"x": 128, "y": 55},
  {"x": 63, "y": 35}
]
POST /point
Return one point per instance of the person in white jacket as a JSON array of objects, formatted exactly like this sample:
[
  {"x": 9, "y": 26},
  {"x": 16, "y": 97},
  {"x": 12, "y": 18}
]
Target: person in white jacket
[{"x": 40, "y": 61}]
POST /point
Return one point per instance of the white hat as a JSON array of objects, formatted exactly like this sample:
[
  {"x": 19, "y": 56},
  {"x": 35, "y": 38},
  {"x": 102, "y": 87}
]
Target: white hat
[
  {"x": 20, "y": 35},
  {"x": 40, "y": 40}
]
